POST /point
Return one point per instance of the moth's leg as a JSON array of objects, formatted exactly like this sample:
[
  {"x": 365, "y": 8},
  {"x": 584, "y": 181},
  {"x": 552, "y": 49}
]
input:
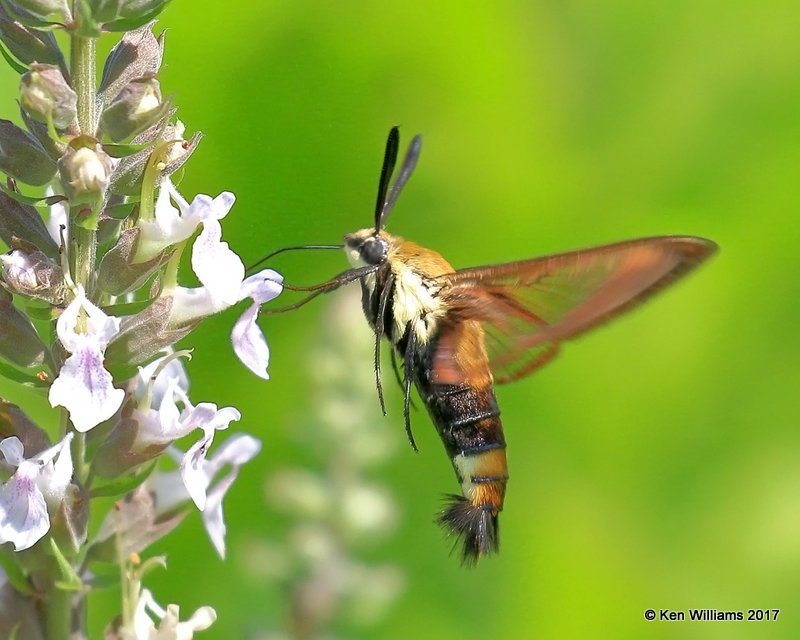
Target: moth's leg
[
  {"x": 398, "y": 378},
  {"x": 346, "y": 277},
  {"x": 408, "y": 371},
  {"x": 386, "y": 291}
]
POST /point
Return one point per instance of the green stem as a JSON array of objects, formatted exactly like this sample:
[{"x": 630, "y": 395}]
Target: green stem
[
  {"x": 83, "y": 242},
  {"x": 82, "y": 247},
  {"x": 82, "y": 69},
  {"x": 152, "y": 176},
  {"x": 58, "y": 612},
  {"x": 57, "y": 608},
  {"x": 130, "y": 587},
  {"x": 170, "y": 279}
]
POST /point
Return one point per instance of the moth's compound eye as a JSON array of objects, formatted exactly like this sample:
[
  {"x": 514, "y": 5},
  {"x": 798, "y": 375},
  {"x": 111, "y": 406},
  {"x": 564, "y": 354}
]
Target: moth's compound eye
[{"x": 373, "y": 251}]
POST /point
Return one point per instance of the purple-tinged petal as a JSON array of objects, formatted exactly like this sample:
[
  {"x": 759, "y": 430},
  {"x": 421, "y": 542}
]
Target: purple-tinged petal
[
  {"x": 206, "y": 416},
  {"x": 56, "y": 470},
  {"x": 262, "y": 286},
  {"x": 83, "y": 322},
  {"x": 222, "y": 204},
  {"x": 83, "y": 386},
  {"x": 249, "y": 343},
  {"x": 86, "y": 389},
  {"x": 192, "y": 472},
  {"x": 213, "y": 516},
  {"x": 23, "y": 510},
  {"x": 23, "y": 499}
]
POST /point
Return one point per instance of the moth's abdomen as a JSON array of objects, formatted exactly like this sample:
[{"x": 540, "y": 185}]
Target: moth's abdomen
[{"x": 468, "y": 422}]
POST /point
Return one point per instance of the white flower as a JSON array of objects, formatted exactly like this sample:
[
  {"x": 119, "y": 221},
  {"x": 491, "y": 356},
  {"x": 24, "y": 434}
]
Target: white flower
[
  {"x": 171, "y": 488},
  {"x": 173, "y": 369},
  {"x": 160, "y": 424},
  {"x": 37, "y": 482},
  {"x": 57, "y": 224},
  {"x": 172, "y": 225},
  {"x": 204, "y": 416},
  {"x": 221, "y": 272},
  {"x": 169, "y": 625},
  {"x": 163, "y": 421},
  {"x": 248, "y": 341},
  {"x": 83, "y": 386},
  {"x": 215, "y": 265}
]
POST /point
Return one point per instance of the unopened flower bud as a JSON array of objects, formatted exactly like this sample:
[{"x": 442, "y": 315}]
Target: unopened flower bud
[
  {"x": 44, "y": 93},
  {"x": 46, "y": 9},
  {"x": 85, "y": 172},
  {"x": 23, "y": 157},
  {"x": 34, "y": 275},
  {"x": 136, "y": 108},
  {"x": 137, "y": 54}
]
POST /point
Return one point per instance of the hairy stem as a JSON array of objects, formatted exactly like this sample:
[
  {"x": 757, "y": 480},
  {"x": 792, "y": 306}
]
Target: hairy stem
[
  {"x": 58, "y": 609},
  {"x": 82, "y": 70},
  {"x": 83, "y": 242}
]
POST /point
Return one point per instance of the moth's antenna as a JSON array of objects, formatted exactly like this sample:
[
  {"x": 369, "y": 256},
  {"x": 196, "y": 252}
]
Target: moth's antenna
[
  {"x": 389, "y": 160},
  {"x": 410, "y": 161}
]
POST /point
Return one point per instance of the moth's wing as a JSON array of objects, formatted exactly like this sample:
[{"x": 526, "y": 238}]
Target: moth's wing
[{"x": 527, "y": 308}]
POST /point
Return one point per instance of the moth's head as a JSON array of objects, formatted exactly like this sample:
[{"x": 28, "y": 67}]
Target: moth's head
[
  {"x": 372, "y": 246},
  {"x": 367, "y": 247}
]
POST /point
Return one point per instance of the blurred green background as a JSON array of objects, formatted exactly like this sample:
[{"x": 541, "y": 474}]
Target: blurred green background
[{"x": 656, "y": 463}]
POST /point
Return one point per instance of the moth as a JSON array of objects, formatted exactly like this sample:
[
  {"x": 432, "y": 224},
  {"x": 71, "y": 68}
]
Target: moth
[{"x": 458, "y": 333}]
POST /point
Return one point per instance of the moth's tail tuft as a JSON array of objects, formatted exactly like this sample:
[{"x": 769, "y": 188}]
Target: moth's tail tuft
[{"x": 475, "y": 526}]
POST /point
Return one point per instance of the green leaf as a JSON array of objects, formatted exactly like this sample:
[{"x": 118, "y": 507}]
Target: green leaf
[
  {"x": 127, "y": 308},
  {"x": 29, "y": 20},
  {"x": 43, "y": 312},
  {"x": 103, "y": 581},
  {"x": 129, "y": 24},
  {"x": 12, "y": 373},
  {"x": 123, "y": 485},
  {"x": 15, "y": 575},
  {"x": 70, "y": 581},
  {"x": 16, "y": 66},
  {"x": 40, "y": 202},
  {"x": 120, "y": 211},
  {"x": 122, "y": 150}
]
